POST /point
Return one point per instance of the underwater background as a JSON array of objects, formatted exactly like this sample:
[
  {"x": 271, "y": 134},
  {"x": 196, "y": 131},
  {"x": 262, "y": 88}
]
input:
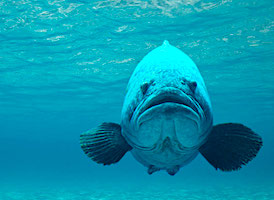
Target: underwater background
[{"x": 64, "y": 67}]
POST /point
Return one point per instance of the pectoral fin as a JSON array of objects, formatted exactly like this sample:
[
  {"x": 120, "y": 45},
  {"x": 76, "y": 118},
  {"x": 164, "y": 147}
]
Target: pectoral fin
[
  {"x": 229, "y": 146},
  {"x": 105, "y": 144}
]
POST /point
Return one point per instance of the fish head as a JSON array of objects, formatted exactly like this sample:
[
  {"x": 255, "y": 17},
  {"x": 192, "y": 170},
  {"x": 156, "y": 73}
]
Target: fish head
[{"x": 167, "y": 105}]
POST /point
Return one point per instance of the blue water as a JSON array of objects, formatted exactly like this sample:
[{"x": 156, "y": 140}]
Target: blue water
[{"x": 64, "y": 67}]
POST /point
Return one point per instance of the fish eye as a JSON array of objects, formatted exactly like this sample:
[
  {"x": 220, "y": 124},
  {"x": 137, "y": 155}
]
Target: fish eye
[
  {"x": 192, "y": 85},
  {"x": 144, "y": 88}
]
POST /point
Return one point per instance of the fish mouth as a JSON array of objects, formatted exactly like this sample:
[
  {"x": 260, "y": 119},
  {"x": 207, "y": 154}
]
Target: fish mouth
[
  {"x": 182, "y": 99},
  {"x": 171, "y": 99}
]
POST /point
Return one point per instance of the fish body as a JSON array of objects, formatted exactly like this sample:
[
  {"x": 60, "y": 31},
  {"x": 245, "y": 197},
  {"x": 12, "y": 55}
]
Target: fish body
[
  {"x": 167, "y": 112},
  {"x": 167, "y": 120}
]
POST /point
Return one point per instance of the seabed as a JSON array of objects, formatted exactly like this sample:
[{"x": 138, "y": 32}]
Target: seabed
[{"x": 156, "y": 192}]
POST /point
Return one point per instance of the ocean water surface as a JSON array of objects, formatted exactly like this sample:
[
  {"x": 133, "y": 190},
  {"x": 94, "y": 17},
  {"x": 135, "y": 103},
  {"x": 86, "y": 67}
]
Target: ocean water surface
[{"x": 64, "y": 67}]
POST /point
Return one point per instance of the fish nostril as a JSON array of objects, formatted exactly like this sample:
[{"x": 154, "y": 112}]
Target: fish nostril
[
  {"x": 144, "y": 88},
  {"x": 183, "y": 81}
]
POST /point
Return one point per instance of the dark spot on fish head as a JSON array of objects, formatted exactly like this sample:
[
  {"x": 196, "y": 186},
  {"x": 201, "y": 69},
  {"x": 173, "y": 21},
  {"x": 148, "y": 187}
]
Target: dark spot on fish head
[
  {"x": 144, "y": 87},
  {"x": 192, "y": 85}
]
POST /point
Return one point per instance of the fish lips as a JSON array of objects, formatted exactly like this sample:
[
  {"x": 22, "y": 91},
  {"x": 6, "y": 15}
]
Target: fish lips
[{"x": 169, "y": 102}]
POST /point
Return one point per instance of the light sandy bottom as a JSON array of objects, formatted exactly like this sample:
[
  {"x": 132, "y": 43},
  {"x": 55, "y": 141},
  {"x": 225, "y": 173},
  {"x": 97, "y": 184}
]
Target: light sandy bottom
[{"x": 155, "y": 192}]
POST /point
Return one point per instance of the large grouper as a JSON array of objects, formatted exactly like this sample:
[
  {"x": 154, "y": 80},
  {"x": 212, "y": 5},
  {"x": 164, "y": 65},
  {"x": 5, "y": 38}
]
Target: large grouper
[{"x": 167, "y": 120}]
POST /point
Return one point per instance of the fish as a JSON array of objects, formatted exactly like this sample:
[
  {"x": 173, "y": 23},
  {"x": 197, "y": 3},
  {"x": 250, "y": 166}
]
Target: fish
[{"x": 167, "y": 120}]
